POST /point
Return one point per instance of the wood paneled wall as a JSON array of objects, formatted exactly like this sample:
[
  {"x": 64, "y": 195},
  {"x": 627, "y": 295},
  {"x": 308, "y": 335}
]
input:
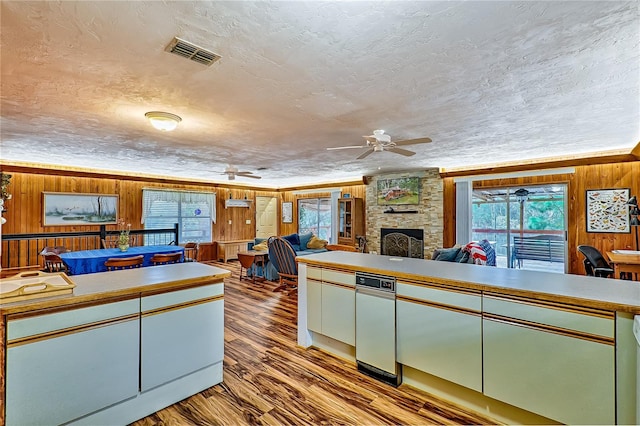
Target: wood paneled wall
[
  {"x": 24, "y": 209},
  {"x": 601, "y": 176}
]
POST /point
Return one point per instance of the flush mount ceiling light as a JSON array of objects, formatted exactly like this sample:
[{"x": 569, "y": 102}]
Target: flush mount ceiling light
[{"x": 164, "y": 121}]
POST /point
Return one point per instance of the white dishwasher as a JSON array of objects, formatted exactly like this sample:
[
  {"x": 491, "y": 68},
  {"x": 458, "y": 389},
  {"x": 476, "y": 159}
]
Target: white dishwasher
[{"x": 376, "y": 327}]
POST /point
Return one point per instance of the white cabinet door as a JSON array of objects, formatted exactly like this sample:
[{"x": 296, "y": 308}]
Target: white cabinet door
[
  {"x": 565, "y": 378},
  {"x": 442, "y": 342},
  {"x": 314, "y": 305},
  {"x": 182, "y": 332},
  {"x": 375, "y": 332},
  {"x": 339, "y": 313},
  {"x": 64, "y": 374}
]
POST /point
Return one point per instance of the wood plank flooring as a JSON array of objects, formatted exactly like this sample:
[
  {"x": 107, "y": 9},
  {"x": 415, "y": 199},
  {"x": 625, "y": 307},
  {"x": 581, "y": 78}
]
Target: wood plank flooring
[{"x": 268, "y": 380}]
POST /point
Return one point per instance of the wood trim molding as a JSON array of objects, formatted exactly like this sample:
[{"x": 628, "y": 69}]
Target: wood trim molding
[
  {"x": 50, "y": 170},
  {"x": 550, "y": 163}
]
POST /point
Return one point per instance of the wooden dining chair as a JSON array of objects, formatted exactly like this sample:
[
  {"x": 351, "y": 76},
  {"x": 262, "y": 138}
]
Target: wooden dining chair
[
  {"x": 166, "y": 258},
  {"x": 53, "y": 263},
  {"x": 54, "y": 250},
  {"x": 191, "y": 252},
  {"x": 110, "y": 241},
  {"x": 115, "y": 263}
]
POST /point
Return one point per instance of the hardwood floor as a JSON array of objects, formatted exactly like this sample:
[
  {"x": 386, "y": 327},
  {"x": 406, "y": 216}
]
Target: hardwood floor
[{"x": 269, "y": 380}]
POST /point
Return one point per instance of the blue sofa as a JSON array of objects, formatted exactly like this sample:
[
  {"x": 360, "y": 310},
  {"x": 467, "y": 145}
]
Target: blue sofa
[{"x": 298, "y": 242}]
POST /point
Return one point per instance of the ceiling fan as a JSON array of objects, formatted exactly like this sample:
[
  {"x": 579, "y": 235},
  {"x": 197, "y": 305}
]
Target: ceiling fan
[
  {"x": 379, "y": 141},
  {"x": 232, "y": 172}
]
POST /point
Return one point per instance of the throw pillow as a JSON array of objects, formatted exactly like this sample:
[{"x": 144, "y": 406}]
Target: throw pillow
[
  {"x": 304, "y": 240},
  {"x": 316, "y": 243},
  {"x": 294, "y": 240},
  {"x": 262, "y": 246},
  {"x": 448, "y": 255}
]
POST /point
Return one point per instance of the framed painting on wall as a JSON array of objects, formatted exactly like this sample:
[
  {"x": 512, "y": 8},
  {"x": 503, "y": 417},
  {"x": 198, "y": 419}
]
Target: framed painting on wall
[
  {"x": 608, "y": 211},
  {"x": 287, "y": 212},
  {"x": 67, "y": 208}
]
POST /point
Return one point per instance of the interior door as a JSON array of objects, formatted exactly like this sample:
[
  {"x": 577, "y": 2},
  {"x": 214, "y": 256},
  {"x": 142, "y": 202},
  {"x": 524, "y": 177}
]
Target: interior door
[{"x": 266, "y": 217}]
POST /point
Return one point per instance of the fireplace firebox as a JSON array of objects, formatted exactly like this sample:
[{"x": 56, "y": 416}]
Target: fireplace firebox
[{"x": 402, "y": 242}]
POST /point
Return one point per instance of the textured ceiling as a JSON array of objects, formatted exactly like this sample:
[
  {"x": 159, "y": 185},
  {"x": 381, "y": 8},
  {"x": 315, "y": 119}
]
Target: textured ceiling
[{"x": 489, "y": 82}]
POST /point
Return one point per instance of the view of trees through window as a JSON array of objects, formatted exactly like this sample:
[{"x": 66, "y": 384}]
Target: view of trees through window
[
  {"x": 499, "y": 214},
  {"x": 314, "y": 215}
]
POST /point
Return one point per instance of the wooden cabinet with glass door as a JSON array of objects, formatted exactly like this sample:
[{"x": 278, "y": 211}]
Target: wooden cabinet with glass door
[{"x": 351, "y": 220}]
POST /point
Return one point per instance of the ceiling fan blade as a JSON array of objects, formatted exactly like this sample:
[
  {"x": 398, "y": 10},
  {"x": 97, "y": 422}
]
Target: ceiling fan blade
[
  {"x": 401, "y": 151},
  {"x": 247, "y": 174},
  {"x": 346, "y": 147},
  {"x": 365, "y": 154},
  {"x": 412, "y": 141}
]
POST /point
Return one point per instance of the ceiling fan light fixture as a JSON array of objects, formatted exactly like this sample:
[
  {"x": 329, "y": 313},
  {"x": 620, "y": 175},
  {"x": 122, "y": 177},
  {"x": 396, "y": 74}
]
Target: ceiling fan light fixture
[{"x": 163, "y": 121}]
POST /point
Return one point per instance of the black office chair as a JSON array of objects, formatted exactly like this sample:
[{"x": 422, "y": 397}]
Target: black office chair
[{"x": 594, "y": 263}]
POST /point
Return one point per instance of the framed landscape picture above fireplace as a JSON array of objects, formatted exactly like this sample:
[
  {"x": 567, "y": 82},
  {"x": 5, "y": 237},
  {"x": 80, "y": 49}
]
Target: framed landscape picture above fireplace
[{"x": 392, "y": 192}]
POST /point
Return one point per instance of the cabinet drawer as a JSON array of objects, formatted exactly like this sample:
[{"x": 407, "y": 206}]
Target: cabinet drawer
[
  {"x": 159, "y": 301},
  {"x": 46, "y": 323},
  {"x": 460, "y": 299},
  {"x": 315, "y": 273},
  {"x": 591, "y": 321},
  {"x": 332, "y": 276}
]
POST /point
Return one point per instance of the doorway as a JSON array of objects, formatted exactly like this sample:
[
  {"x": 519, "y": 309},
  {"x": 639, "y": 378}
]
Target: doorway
[
  {"x": 266, "y": 217},
  {"x": 314, "y": 215},
  {"x": 530, "y": 215}
]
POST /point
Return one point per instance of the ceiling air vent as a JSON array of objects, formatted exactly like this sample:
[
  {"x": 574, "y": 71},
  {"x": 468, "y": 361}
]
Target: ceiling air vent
[{"x": 191, "y": 51}]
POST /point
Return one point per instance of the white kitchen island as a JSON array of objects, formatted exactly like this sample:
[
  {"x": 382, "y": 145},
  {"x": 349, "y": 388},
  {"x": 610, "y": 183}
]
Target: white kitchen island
[
  {"x": 552, "y": 345},
  {"x": 121, "y": 346}
]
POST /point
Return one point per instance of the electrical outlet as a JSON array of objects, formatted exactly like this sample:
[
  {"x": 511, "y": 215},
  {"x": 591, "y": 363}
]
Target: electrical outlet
[
  {"x": 248, "y": 221},
  {"x": 229, "y": 221}
]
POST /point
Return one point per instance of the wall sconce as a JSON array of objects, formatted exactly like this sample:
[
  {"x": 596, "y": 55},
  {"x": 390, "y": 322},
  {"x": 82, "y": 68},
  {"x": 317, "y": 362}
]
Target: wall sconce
[{"x": 164, "y": 121}]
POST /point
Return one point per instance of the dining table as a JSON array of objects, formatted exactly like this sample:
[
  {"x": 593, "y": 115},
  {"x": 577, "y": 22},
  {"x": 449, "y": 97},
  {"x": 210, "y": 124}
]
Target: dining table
[
  {"x": 260, "y": 260},
  {"x": 91, "y": 261},
  {"x": 625, "y": 262}
]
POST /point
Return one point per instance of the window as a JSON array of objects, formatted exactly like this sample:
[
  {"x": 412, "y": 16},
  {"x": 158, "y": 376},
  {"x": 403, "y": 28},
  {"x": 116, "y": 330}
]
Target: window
[
  {"x": 314, "y": 215},
  {"x": 192, "y": 211},
  {"x": 500, "y": 214}
]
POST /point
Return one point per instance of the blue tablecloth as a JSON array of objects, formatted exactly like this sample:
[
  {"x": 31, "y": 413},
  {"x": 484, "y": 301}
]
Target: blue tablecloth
[{"x": 89, "y": 261}]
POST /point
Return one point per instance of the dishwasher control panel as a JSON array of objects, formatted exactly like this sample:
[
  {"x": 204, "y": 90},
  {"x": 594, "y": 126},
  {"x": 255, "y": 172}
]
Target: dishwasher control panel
[{"x": 379, "y": 282}]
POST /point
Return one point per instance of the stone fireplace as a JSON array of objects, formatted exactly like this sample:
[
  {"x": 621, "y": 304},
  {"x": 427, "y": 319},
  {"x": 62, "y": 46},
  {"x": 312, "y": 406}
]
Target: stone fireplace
[
  {"x": 402, "y": 242},
  {"x": 427, "y": 216}
]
